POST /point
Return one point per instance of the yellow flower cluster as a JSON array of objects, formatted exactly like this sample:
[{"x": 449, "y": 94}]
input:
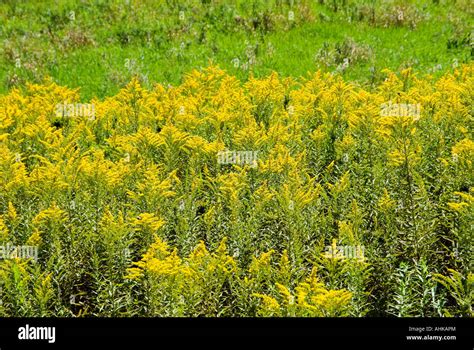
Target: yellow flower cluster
[
  {"x": 311, "y": 298},
  {"x": 140, "y": 126},
  {"x": 332, "y": 166},
  {"x": 159, "y": 260},
  {"x": 192, "y": 276}
]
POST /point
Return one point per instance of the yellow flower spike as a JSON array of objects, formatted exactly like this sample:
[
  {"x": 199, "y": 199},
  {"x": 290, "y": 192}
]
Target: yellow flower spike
[
  {"x": 346, "y": 232},
  {"x": 35, "y": 238},
  {"x": 330, "y": 167},
  {"x": 148, "y": 221},
  {"x": 222, "y": 249},
  {"x": 333, "y": 253},
  {"x": 159, "y": 249},
  {"x": 262, "y": 262},
  {"x": 466, "y": 196},
  {"x": 285, "y": 293},
  {"x": 396, "y": 158},
  {"x": 210, "y": 216},
  {"x": 464, "y": 149},
  {"x": 11, "y": 213},
  {"x": 199, "y": 252},
  {"x": 285, "y": 265},
  {"x": 53, "y": 214},
  {"x": 302, "y": 290},
  {"x": 3, "y": 230},
  {"x": 463, "y": 130},
  {"x": 134, "y": 273},
  {"x": 386, "y": 202},
  {"x": 342, "y": 185},
  {"x": 458, "y": 207},
  {"x": 221, "y": 260},
  {"x": 269, "y": 304}
]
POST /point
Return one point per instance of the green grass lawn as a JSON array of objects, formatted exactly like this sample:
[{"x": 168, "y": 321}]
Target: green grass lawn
[{"x": 99, "y": 46}]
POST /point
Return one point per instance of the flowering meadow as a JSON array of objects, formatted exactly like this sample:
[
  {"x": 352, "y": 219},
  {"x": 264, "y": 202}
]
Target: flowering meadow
[{"x": 218, "y": 197}]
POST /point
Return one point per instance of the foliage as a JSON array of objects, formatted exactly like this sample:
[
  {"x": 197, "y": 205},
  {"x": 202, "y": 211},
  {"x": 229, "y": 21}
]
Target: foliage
[{"x": 133, "y": 215}]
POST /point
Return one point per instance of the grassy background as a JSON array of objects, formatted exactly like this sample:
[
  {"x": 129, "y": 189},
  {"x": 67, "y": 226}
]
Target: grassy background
[{"x": 100, "y": 45}]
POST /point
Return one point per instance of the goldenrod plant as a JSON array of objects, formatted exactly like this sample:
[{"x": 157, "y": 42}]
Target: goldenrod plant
[{"x": 349, "y": 206}]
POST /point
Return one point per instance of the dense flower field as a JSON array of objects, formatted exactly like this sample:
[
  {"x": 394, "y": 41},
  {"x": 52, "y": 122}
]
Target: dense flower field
[{"x": 131, "y": 213}]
